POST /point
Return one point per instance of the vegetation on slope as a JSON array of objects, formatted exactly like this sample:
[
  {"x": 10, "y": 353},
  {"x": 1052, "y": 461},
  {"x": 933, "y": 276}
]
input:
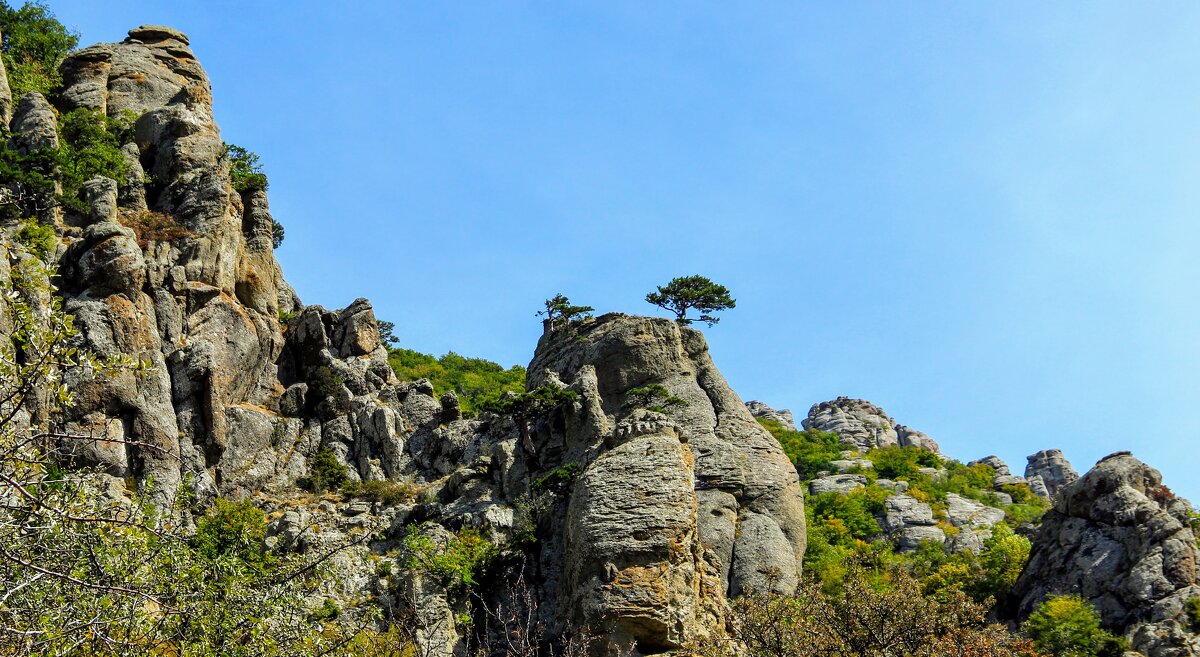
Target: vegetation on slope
[{"x": 476, "y": 381}]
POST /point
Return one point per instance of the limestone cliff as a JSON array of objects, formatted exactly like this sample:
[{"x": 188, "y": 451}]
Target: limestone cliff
[
  {"x": 1121, "y": 540},
  {"x": 672, "y": 511}
]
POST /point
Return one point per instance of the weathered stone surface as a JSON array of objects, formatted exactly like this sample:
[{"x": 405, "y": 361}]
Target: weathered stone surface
[
  {"x": 34, "y": 126},
  {"x": 1052, "y": 468},
  {"x": 857, "y": 422},
  {"x": 910, "y": 523},
  {"x": 968, "y": 514},
  {"x": 842, "y": 483},
  {"x": 909, "y": 437},
  {"x": 1121, "y": 540},
  {"x": 783, "y": 417},
  {"x": 995, "y": 463},
  {"x": 659, "y": 585}
]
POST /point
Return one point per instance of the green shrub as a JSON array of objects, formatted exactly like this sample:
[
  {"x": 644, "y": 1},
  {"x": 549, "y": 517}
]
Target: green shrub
[
  {"x": 328, "y": 611},
  {"x": 30, "y": 179},
  {"x": 654, "y": 397},
  {"x": 39, "y": 239},
  {"x": 558, "y": 480},
  {"x": 1191, "y": 610},
  {"x": 1020, "y": 514},
  {"x": 1067, "y": 626},
  {"x": 1003, "y": 557},
  {"x": 88, "y": 149},
  {"x": 810, "y": 450},
  {"x": 233, "y": 529},
  {"x": 458, "y": 563},
  {"x": 245, "y": 170},
  {"x": 325, "y": 472},
  {"x": 476, "y": 381},
  {"x": 384, "y": 492},
  {"x": 902, "y": 463},
  {"x": 849, "y": 516},
  {"x": 325, "y": 382},
  {"x": 33, "y": 46}
]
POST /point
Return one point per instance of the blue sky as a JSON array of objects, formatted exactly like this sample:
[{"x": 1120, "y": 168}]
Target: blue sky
[{"x": 982, "y": 217}]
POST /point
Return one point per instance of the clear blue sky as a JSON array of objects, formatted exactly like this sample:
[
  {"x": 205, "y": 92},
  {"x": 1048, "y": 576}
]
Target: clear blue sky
[{"x": 980, "y": 216}]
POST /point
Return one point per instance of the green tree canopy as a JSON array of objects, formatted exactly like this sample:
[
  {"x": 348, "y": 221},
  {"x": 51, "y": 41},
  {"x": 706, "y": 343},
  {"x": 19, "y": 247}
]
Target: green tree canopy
[
  {"x": 33, "y": 45},
  {"x": 692, "y": 292}
]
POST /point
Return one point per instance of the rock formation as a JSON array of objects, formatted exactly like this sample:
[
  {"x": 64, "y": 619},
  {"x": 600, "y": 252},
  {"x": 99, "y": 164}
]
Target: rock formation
[
  {"x": 1048, "y": 471},
  {"x": 863, "y": 425},
  {"x": 761, "y": 410},
  {"x": 1121, "y": 540}
]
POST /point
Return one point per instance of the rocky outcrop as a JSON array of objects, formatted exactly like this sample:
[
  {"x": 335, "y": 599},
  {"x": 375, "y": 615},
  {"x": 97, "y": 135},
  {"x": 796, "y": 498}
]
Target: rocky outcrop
[
  {"x": 673, "y": 512},
  {"x": 909, "y": 523},
  {"x": 1121, "y": 540},
  {"x": 864, "y": 426},
  {"x": 1048, "y": 471},
  {"x": 761, "y": 410}
]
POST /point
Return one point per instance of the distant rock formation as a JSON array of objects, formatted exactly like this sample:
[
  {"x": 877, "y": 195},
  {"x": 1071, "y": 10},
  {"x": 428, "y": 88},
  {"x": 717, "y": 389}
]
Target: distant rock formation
[
  {"x": 1121, "y": 540},
  {"x": 863, "y": 425},
  {"x": 1048, "y": 471},
  {"x": 783, "y": 417}
]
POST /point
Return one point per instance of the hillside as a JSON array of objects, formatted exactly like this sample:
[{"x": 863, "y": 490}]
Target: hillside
[{"x": 197, "y": 462}]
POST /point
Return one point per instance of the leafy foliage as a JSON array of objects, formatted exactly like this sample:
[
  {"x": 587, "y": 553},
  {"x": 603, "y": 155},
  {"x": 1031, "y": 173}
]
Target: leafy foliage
[
  {"x": 387, "y": 333},
  {"x": 1067, "y": 626},
  {"x": 245, "y": 170},
  {"x": 277, "y": 233},
  {"x": 233, "y": 529},
  {"x": 39, "y": 239},
  {"x": 866, "y": 620},
  {"x": 692, "y": 292},
  {"x": 476, "y": 381},
  {"x": 457, "y": 562},
  {"x": 89, "y": 148},
  {"x": 850, "y": 516},
  {"x": 34, "y": 44},
  {"x": 1191, "y": 610},
  {"x": 561, "y": 313},
  {"x": 383, "y": 492},
  {"x": 325, "y": 472},
  {"x": 654, "y": 397},
  {"x": 325, "y": 382},
  {"x": 810, "y": 450},
  {"x": 92, "y": 577},
  {"x": 902, "y": 463},
  {"x": 558, "y": 480}
]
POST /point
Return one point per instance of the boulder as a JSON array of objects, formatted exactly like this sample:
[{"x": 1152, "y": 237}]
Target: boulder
[{"x": 1052, "y": 468}]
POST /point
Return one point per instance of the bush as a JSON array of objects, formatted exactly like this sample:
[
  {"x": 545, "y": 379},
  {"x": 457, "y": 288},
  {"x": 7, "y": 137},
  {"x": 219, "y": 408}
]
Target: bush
[
  {"x": 810, "y": 450},
  {"x": 153, "y": 227},
  {"x": 654, "y": 397},
  {"x": 328, "y": 611},
  {"x": 895, "y": 462},
  {"x": 42, "y": 241},
  {"x": 457, "y": 563},
  {"x": 1067, "y": 626},
  {"x": 233, "y": 529},
  {"x": 88, "y": 149},
  {"x": 1191, "y": 610},
  {"x": 325, "y": 472},
  {"x": 383, "y": 492},
  {"x": 33, "y": 46},
  {"x": 245, "y": 171},
  {"x": 476, "y": 381},
  {"x": 849, "y": 516},
  {"x": 1003, "y": 557},
  {"x": 325, "y": 382},
  {"x": 558, "y": 480}
]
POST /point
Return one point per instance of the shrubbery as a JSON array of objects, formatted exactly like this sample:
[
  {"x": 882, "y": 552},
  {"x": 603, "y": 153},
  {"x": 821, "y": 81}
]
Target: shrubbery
[
  {"x": 475, "y": 380},
  {"x": 457, "y": 562},
  {"x": 1067, "y": 626},
  {"x": 233, "y": 529},
  {"x": 245, "y": 170},
  {"x": 33, "y": 46},
  {"x": 810, "y": 450},
  {"x": 89, "y": 148},
  {"x": 325, "y": 472}
]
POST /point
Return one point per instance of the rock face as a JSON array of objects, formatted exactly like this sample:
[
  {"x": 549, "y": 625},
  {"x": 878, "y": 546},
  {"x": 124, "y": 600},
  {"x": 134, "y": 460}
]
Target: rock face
[
  {"x": 863, "y": 425},
  {"x": 1048, "y": 471},
  {"x": 672, "y": 513},
  {"x": 1121, "y": 540},
  {"x": 761, "y": 410}
]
